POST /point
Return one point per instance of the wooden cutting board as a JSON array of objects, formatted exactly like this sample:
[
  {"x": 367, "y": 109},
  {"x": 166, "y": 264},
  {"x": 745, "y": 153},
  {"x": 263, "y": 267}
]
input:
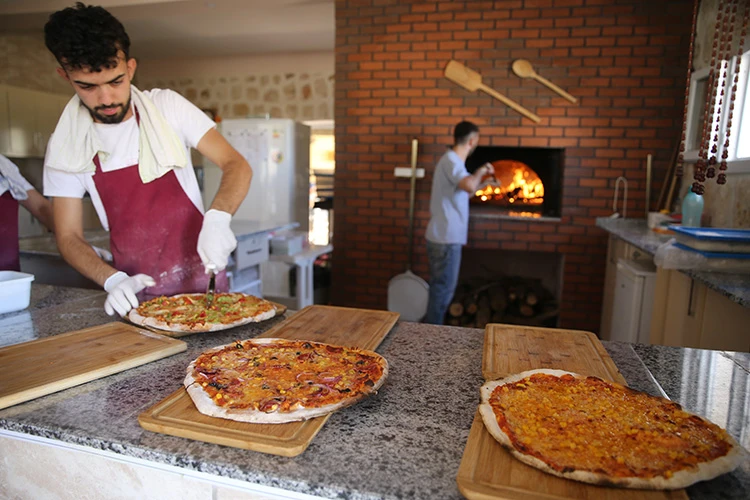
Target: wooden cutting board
[
  {"x": 487, "y": 470},
  {"x": 280, "y": 309},
  {"x": 40, "y": 367},
  {"x": 177, "y": 416}
]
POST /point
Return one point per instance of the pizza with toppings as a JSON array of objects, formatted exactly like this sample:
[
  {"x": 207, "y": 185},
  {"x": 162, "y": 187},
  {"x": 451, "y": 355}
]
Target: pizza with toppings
[
  {"x": 599, "y": 432},
  {"x": 188, "y": 312},
  {"x": 273, "y": 381}
]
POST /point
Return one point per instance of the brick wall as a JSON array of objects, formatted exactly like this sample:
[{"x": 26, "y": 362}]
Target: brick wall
[{"x": 624, "y": 60}]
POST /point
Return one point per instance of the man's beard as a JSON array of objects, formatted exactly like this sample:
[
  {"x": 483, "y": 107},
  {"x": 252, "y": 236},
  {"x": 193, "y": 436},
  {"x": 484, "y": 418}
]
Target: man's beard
[{"x": 109, "y": 119}]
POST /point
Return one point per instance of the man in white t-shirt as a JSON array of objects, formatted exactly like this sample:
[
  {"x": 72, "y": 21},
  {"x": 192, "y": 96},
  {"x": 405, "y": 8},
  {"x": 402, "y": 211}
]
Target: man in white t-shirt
[
  {"x": 130, "y": 151},
  {"x": 448, "y": 229}
]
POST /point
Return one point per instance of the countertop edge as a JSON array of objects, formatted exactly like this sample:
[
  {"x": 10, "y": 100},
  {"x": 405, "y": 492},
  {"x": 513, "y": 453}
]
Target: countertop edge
[{"x": 645, "y": 242}]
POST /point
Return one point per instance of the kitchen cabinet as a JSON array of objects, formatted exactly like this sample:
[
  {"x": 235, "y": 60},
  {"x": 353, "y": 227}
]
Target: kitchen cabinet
[
  {"x": 689, "y": 314},
  {"x": 27, "y": 120},
  {"x": 245, "y": 274},
  {"x": 617, "y": 249}
]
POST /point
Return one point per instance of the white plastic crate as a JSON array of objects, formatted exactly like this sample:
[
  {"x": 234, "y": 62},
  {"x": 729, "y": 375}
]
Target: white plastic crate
[{"x": 15, "y": 291}]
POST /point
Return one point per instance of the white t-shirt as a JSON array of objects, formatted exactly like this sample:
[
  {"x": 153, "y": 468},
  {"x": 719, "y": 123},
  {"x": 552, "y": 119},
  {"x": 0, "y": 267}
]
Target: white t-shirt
[
  {"x": 449, "y": 205},
  {"x": 121, "y": 141},
  {"x": 12, "y": 180}
]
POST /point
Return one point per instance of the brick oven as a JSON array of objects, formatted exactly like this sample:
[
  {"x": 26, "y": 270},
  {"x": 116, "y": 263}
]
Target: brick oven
[
  {"x": 504, "y": 285},
  {"x": 528, "y": 181},
  {"x": 624, "y": 61}
]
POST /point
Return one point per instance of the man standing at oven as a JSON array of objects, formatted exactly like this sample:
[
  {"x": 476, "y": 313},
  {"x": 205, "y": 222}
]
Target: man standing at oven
[
  {"x": 448, "y": 229},
  {"x": 130, "y": 150}
]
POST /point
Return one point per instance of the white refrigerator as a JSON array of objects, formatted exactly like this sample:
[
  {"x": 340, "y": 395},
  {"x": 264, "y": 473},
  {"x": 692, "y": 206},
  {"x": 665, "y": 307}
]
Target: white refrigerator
[{"x": 278, "y": 151}]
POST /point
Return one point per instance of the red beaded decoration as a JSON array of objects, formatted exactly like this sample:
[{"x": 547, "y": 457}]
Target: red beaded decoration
[
  {"x": 681, "y": 155},
  {"x": 724, "y": 54},
  {"x": 713, "y": 77},
  {"x": 722, "y": 178}
]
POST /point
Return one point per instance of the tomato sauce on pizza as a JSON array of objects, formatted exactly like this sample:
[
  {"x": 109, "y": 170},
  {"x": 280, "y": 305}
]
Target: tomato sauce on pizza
[
  {"x": 188, "y": 312},
  {"x": 283, "y": 377}
]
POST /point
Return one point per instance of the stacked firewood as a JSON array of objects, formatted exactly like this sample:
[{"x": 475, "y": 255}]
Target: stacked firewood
[{"x": 511, "y": 299}]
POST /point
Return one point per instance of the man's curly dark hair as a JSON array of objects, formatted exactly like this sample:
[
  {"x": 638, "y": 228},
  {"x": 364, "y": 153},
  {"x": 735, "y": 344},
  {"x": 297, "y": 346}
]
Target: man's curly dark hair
[{"x": 85, "y": 36}]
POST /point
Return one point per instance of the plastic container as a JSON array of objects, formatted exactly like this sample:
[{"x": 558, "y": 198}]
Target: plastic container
[
  {"x": 697, "y": 260},
  {"x": 15, "y": 291},
  {"x": 713, "y": 240}
]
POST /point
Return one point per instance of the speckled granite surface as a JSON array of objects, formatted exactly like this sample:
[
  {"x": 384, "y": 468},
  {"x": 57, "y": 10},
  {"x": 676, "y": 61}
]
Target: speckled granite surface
[
  {"x": 634, "y": 231},
  {"x": 406, "y": 442}
]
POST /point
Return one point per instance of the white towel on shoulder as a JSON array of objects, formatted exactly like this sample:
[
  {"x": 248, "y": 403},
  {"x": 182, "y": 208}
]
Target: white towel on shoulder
[{"x": 74, "y": 144}]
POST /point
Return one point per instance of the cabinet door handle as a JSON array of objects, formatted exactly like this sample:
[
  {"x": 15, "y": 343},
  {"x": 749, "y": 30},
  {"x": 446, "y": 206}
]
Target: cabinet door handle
[
  {"x": 250, "y": 252},
  {"x": 691, "y": 296}
]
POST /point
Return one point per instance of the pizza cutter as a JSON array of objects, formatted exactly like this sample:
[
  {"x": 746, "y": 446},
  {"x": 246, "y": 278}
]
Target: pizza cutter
[{"x": 211, "y": 288}]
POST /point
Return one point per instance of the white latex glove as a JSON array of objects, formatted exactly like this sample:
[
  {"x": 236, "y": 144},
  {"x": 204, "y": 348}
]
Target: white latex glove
[
  {"x": 122, "y": 289},
  {"x": 102, "y": 253},
  {"x": 216, "y": 240}
]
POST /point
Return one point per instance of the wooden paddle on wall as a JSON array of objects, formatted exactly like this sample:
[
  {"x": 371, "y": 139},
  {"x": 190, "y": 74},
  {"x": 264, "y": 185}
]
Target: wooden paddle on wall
[
  {"x": 524, "y": 69},
  {"x": 472, "y": 81}
]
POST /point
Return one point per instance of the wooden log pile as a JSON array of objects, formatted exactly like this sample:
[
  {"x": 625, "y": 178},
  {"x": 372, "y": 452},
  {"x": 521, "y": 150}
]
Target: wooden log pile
[{"x": 511, "y": 299}]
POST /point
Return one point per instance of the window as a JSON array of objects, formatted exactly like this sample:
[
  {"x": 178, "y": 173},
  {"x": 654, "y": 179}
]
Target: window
[
  {"x": 696, "y": 102},
  {"x": 739, "y": 141},
  {"x": 742, "y": 112}
]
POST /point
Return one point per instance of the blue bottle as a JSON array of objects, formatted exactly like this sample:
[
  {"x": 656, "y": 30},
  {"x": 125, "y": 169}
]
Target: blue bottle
[{"x": 692, "y": 209}]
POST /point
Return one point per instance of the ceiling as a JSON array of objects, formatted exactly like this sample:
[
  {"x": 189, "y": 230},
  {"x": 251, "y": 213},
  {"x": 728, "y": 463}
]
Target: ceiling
[{"x": 198, "y": 28}]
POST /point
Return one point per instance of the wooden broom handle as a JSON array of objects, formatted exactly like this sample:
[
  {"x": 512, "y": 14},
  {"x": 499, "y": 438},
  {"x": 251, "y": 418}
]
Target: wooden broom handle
[
  {"x": 555, "y": 88},
  {"x": 511, "y": 104}
]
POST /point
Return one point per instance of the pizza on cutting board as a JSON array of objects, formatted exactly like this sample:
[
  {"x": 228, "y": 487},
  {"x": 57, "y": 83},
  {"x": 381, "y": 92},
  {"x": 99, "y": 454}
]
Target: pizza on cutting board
[
  {"x": 599, "y": 432},
  {"x": 272, "y": 381},
  {"x": 188, "y": 312}
]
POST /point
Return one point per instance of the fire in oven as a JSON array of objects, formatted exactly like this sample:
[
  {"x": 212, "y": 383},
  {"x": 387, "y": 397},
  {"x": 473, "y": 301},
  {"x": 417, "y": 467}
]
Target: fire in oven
[{"x": 527, "y": 181}]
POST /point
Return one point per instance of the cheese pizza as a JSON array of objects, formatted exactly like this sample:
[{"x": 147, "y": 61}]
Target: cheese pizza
[
  {"x": 276, "y": 380},
  {"x": 591, "y": 430}
]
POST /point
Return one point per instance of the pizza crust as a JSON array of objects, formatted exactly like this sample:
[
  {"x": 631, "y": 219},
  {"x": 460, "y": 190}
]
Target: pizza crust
[
  {"x": 141, "y": 320},
  {"x": 207, "y": 406},
  {"x": 680, "y": 479}
]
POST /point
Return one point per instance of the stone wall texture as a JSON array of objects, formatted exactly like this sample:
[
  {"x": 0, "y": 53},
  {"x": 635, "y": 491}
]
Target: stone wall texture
[{"x": 299, "y": 96}]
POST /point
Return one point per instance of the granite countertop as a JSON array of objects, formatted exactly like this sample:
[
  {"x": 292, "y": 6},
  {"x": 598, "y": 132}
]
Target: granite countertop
[
  {"x": 736, "y": 287},
  {"x": 404, "y": 442},
  {"x": 45, "y": 244}
]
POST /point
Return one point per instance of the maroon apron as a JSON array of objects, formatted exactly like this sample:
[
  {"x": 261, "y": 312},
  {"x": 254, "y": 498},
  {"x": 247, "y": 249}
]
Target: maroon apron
[
  {"x": 154, "y": 230},
  {"x": 9, "y": 260}
]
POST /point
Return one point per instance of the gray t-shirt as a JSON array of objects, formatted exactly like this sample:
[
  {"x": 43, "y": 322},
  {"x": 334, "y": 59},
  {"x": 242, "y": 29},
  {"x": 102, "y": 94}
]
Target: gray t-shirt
[{"x": 449, "y": 205}]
